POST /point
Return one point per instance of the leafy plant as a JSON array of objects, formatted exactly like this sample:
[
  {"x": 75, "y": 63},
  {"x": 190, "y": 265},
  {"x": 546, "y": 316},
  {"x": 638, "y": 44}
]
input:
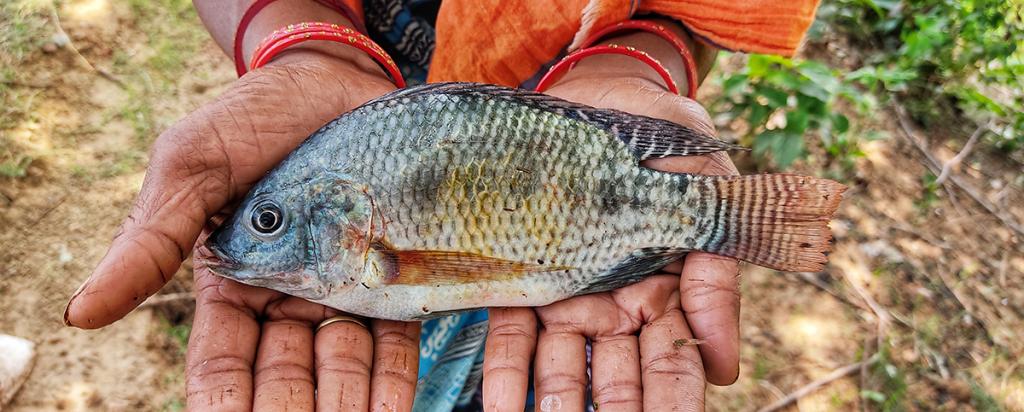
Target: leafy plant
[
  {"x": 947, "y": 57},
  {"x": 782, "y": 100}
]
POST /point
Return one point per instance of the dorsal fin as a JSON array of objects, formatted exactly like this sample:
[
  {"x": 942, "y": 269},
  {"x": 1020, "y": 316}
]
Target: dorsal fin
[{"x": 647, "y": 137}]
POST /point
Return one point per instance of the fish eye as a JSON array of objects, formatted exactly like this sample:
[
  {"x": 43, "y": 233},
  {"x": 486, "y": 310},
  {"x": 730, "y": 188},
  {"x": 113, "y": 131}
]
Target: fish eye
[{"x": 266, "y": 218}]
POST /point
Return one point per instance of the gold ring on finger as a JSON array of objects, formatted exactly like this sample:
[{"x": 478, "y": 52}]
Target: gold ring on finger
[{"x": 340, "y": 318}]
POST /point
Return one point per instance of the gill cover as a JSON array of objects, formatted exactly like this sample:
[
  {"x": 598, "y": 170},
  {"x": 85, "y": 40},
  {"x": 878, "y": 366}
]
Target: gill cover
[{"x": 341, "y": 227}]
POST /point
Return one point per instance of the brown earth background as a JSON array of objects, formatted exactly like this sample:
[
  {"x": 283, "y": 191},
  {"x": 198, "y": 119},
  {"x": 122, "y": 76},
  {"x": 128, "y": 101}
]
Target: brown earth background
[{"x": 932, "y": 293}]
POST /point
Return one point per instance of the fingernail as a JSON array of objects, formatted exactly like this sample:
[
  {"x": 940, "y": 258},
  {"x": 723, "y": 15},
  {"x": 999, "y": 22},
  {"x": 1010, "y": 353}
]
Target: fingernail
[{"x": 67, "y": 309}]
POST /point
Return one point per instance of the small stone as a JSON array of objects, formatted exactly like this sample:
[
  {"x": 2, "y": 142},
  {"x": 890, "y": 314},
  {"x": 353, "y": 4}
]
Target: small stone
[
  {"x": 49, "y": 48},
  {"x": 60, "y": 39}
]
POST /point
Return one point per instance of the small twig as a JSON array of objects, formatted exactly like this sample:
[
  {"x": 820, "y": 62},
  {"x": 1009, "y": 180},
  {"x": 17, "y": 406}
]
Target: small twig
[
  {"x": 956, "y": 160},
  {"x": 812, "y": 279},
  {"x": 813, "y": 386},
  {"x": 18, "y": 83},
  {"x": 910, "y": 134},
  {"x": 168, "y": 298},
  {"x": 864, "y": 373},
  {"x": 1003, "y": 264},
  {"x": 779, "y": 394},
  {"x": 46, "y": 213},
  {"x": 900, "y": 226},
  {"x": 71, "y": 45},
  {"x": 953, "y": 199}
]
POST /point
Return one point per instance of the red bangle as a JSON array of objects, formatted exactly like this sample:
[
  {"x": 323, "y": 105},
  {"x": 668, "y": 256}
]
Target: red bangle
[
  {"x": 259, "y": 5},
  {"x": 640, "y": 25},
  {"x": 293, "y": 34},
  {"x": 563, "y": 66}
]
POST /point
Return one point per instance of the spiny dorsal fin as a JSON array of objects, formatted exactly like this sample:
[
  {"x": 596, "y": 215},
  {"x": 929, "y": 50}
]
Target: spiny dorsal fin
[{"x": 647, "y": 137}]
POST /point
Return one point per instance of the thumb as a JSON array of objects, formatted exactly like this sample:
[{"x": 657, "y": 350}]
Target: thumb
[{"x": 178, "y": 195}]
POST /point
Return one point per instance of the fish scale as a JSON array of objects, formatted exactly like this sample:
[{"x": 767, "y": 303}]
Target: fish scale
[
  {"x": 454, "y": 196},
  {"x": 548, "y": 232}
]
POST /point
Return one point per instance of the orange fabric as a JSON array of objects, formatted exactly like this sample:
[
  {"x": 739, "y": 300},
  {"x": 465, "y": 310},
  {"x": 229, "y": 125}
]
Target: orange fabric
[
  {"x": 759, "y": 26},
  {"x": 356, "y": 8},
  {"x": 507, "y": 41}
]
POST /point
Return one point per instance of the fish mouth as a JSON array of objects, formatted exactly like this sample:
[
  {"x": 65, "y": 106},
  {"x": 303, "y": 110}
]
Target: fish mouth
[
  {"x": 223, "y": 265},
  {"x": 219, "y": 262}
]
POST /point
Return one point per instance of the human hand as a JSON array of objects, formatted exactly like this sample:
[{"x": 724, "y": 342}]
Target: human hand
[
  {"x": 648, "y": 372},
  {"x": 249, "y": 347},
  {"x": 257, "y": 349}
]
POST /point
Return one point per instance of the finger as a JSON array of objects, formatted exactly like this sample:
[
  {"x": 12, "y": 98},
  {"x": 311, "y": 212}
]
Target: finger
[
  {"x": 511, "y": 339},
  {"x": 283, "y": 376},
  {"x": 710, "y": 298},
  {"x": 191, "y": 176},
  {"x": 396, "y": 353},
  {"x": 615, "y": 365},
  {"x": 169, "y": 214},
  {"x": 221, "y": 351},
  {"x": 344, "y": 352},
  {"x": 673, "y": 377},
  {"x": 560, "y": 371}
]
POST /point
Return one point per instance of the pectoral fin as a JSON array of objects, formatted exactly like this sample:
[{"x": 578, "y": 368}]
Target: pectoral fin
[{"x": 435, "y": 267}]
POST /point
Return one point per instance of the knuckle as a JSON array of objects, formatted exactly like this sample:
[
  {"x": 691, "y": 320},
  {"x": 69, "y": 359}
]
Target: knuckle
[
  {"x": 344, "y": 364},
  {"x": 211, "y": 370},
  {"x": 618, "y": 392},
  {"x": 505, "y": 366},
  {"x": 399, "y": 377},
  {"x": 674, "y": 365},
  {"x": 398, "y": 340},
  {"x": 513, "y": 331},
  {"x": 283, "y": 373},
  {"x": 561, "y": 383}
]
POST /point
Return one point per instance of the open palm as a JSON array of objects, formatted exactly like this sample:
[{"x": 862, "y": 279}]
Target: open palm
[
  {"x": 661, "y": 368},
  {"x": 250, "y": 348}
]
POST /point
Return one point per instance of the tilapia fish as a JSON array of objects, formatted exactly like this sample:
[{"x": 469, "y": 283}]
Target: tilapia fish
[{"x": 452, "y": 196}]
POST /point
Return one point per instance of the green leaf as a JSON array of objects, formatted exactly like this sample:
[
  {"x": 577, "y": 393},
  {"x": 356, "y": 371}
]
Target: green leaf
[
  {"x": 815, "y": 91},
  {"x": 820, "y": 74},
  {"x": 758, "y": 115},
  {"x": 812, "y": 105},
  {"x": 840, "y": 124},
  {"x": 873, "y": 395},
  {"x": 790, "y": 148},
  {"x": 796, "y": 122},
  {"x": 734, "y": 84},
  {"x": 783, "y": 147},
  {"x": 776, "y": 98}
]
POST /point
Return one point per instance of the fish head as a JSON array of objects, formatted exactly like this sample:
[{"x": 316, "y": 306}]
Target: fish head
[{"x": 307, "y": 240}]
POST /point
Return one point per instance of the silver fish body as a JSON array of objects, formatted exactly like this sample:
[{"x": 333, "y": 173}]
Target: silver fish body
[{"x": 448, "y": 197}]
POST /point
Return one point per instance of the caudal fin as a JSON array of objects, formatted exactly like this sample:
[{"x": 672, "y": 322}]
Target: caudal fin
[{"x": 778, "y": 221}]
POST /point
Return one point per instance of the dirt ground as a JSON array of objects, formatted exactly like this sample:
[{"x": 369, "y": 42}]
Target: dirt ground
[{"x": 930, "y": 290}]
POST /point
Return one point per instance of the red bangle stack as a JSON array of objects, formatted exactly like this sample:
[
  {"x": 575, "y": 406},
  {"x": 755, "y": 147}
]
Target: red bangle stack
[
  {"x": 586, "y": 50},
  {"x": 293, "y": 34},
  {"x": 259, "y": 5}
]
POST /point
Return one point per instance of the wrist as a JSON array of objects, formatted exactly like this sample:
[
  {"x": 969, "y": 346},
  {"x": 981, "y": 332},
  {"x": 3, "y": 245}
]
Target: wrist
[
  {"x": 356, "y": 83},
  {"x": 222, "y": 18},
  {"x": 610, "y": 70}
]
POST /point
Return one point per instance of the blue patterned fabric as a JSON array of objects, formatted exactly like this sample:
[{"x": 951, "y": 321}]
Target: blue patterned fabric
[{"x": 451, "y": 362}]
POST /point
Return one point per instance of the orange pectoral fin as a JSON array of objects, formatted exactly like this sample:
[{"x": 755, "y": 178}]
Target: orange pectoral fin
[{"x": 434, "y": 267}]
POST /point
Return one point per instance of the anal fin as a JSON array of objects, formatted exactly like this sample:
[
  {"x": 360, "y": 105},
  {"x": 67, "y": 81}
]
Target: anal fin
[{"x": 634, "y": 268}]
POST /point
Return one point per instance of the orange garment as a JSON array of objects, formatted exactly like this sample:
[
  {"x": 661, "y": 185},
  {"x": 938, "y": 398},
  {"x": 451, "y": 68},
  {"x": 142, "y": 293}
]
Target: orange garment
[{"x": 508, "y": 41}]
